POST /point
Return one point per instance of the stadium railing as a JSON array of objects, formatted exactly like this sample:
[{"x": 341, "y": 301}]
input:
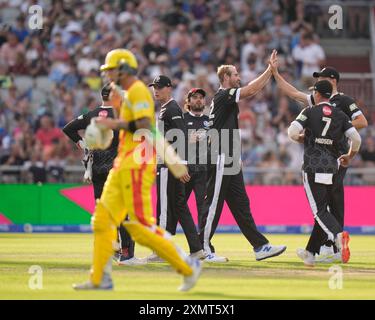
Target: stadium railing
[{"x": 252, "y": 175}]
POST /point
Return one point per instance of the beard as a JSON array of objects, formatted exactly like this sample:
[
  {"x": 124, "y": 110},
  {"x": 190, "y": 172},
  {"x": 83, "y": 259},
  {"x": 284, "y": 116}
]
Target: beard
[
  {"x": 197, "y": 108},
  {"x": 235, "y": 84}
]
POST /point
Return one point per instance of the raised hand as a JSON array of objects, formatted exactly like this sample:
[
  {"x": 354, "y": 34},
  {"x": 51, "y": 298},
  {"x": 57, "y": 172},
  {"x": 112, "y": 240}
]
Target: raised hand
[{"x": 273, "y": 62}]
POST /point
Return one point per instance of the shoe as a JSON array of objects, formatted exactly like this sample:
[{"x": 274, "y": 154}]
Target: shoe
[
  {"x": 307, "y": 257},
  {"x": 327, "y": 255},
  {"x": 268, "y": 251},
  {"x": 134, "y": 261},
  {"x": 154, "y": 258},
  {"x": 116, "y": 256},
  {"x": 335, "y": 257},
  {"x": 106, "y": 284},
  {"x": 200, "y": 255},
  {"x": 190, "y": 281},
  {"x": 342, "y": 243},
  {"x": 213, "y": 258}
]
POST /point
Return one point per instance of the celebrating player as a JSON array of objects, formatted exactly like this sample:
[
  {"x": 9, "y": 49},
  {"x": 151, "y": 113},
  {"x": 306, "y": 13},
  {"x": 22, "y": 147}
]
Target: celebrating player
[
  {"x": 325, "y": 128},
  {"x": 225, "y": 182},
  {"x": 349, "y": 107},
  {"x": 128, "y": 187}
]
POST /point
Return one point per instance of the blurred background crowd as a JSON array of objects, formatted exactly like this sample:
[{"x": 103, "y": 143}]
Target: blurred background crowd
[{"x": 50, "y": 76}]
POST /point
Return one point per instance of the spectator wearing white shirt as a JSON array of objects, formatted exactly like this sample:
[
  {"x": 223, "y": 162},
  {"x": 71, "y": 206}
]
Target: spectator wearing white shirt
[
  {"x": 106, "y": 16},
  {"x": 310, "y": 57},
  {"x": 87, "y": 62}
]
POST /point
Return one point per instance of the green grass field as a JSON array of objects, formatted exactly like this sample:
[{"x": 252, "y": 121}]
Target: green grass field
[{"x": 65, "y": 259}]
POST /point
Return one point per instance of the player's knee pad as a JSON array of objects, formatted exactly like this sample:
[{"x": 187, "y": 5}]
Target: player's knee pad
[{"x": 101, "y": 220}]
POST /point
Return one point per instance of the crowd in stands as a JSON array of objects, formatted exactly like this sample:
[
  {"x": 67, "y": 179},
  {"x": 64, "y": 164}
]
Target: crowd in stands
[{"x": 50, "y": 76}]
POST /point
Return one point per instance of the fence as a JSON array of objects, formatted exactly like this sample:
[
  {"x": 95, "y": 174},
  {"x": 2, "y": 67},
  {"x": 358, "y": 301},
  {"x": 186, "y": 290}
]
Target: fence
[{"x": 252, "y": 175}]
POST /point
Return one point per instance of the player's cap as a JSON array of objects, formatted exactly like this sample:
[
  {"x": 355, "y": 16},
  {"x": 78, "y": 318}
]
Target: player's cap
[
  {"x": 161, "y": 82},
  {"x": 106, "y": 90},
  {"x": 327, "y": 72},
  {"x": 193, "y": 91},
  {"x": 324, "y": 87}
]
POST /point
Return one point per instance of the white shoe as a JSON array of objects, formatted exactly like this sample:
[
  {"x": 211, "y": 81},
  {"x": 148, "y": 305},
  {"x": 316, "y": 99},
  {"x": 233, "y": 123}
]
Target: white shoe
[
  {"x": 131, "y": 262},
  {"x": 200, "y": 255},
  {"x": 190, "y": 281},
  {"x": 327, "y": 255},
  {"x": 154, "y": 258},
  {"x": 213, "y": 258},
  {"x": 268, "y": 251},
  {"x": 307, "y": 257},
  {"x": 106, "y": 284},
  {"x": 335, "y": 257}
]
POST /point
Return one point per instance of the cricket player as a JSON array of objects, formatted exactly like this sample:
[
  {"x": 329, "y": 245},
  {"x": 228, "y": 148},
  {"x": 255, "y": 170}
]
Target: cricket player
[
  {"x": 325, "y": 128},
  {"x": 328, "y": 251},
  {"x": 128, "y": 187},
  {"x": 98, "y": 163}
]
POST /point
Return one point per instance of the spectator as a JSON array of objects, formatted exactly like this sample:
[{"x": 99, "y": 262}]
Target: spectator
[
  {"x": 20, "y": 30},
  {"x": 36, "y": 57},
  {"x": 35, "y": 169},
  {"x": 310, "y": 57},
  {"x": 106, "y": 17},
  {"x": 281, "y": 34},
  {"x": 368, "y": 152},
  {"x": 179, "y": 43},
  {"x": 10, "y": 51},
  {"x": 47, "y": 135}
]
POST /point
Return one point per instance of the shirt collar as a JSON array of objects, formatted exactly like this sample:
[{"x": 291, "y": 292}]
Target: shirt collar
[
  {"x": 194, "y": 115},
  {"x": 163, "y": 106}
]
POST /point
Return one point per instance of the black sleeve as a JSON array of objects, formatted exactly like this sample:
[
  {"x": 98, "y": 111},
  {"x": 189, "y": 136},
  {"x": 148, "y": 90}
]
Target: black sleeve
[
  {"x": 350, "y": 108},
  {"x": 347, "y": 124},
  {"x": 232, "y": 95},
  {"x": 303, "y": 117},
  {"x": 176, "y": 118},
  {"x": 71, "y": 129}
]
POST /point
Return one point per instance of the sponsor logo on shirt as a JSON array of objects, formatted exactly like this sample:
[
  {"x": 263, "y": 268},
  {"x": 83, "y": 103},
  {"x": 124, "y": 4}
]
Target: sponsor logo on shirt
[
  {"x": 302, "y": 117},
  {"x": 353, "y": 107},
  {"x": 103, "y": 113},
  {"x": 327, "y": 110},
  {"x": 141, "y": 105}
]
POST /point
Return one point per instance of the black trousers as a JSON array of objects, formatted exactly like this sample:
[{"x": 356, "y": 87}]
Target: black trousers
[
  {"x": 321, "y": 197},
  {"x": 126, "y": 242},
  {"x": 231, "y": 189},
  {"x": 172, "y": 208},
  {"x": 197, "y": 183}
]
